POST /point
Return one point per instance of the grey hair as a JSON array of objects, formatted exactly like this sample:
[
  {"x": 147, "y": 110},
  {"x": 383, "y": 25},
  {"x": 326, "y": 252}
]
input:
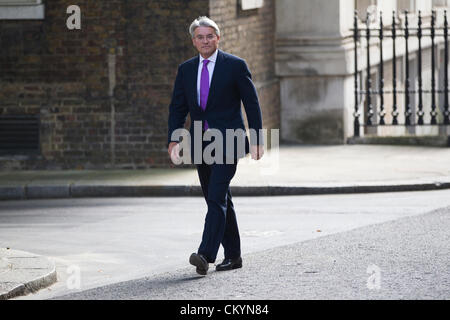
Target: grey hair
[{"x": 204, "y": 22}]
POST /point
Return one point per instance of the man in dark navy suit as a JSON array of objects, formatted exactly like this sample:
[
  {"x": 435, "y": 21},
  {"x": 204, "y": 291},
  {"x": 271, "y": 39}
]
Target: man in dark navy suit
[{"x": 211, "y": 87}]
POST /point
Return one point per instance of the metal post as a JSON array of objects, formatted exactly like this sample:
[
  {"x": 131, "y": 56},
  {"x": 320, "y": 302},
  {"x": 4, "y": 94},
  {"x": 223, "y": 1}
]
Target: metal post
[
  {"x": 420, "y": 112},
  {"x": 355, "y": 38},
  {"x": 433, "y": 81},
  {"x": 382, "y": 113},
  {"x": 407, "y": 104},
  {"x": 368, "y": 80},
  {"x": 446, "y": 107},
  {"x": 394, "y": 73}
]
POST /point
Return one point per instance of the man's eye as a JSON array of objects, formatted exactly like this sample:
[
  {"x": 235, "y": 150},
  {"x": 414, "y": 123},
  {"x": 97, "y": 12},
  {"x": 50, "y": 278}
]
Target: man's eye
[{"x": 209, "y": 37}]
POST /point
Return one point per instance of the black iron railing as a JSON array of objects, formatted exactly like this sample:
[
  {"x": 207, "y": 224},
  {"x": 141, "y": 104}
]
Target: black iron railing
[{"x": 399, "y": 33}]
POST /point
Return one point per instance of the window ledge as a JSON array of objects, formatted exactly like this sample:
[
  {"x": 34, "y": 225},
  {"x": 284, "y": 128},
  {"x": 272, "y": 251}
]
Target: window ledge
[{"x": 22, "y": 12}]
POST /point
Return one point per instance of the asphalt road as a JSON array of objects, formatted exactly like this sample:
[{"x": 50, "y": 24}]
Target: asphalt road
[
  {"x": 117, "y": 240},
  {"x": 402, "y": 259}
]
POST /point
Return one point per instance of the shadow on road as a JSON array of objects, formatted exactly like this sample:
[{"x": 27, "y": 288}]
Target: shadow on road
[{"x": 140, "y": 288}]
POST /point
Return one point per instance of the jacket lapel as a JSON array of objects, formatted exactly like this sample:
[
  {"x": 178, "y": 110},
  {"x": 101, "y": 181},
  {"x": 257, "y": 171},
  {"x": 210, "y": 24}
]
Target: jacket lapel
[{"x": 193, "y": 82}]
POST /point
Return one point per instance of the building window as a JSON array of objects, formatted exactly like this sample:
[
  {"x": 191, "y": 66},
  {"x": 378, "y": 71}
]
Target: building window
[
  {"x": 21, "y": 10},
  {"x": 409, "y": 5},
  {"x": 362, "y": 6},
  {"x": 440, "y": 3}
]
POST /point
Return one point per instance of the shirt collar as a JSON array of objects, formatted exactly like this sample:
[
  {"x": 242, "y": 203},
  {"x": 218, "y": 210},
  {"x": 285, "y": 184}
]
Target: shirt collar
[{"x": 212, "y": 58}]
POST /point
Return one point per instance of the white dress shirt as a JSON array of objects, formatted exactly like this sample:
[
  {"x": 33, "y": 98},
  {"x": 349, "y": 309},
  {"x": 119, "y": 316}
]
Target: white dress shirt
[{"x": 210, "y": 66}]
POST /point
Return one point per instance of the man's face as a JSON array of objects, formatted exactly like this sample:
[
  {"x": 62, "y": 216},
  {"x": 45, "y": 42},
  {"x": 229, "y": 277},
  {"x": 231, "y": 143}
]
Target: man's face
[{"x": 205, "y": 41}]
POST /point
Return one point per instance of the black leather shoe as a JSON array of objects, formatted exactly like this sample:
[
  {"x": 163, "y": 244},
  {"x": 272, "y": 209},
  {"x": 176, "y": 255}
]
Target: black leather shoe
[
  {"x": 229, "y": 264},
  {"x": 200, "y": 262}
]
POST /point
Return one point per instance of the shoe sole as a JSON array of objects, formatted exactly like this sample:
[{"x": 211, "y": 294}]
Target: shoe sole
[{"x": 197, "y": 262}]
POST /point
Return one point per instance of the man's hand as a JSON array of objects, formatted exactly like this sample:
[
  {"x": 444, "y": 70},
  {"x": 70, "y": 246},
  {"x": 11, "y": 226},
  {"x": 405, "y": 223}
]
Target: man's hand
[
  {"x": 257, "y": 152},
  {"x": 174, "y": 152}
]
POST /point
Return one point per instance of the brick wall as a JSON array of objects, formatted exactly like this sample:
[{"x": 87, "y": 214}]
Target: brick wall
[
  {"x": 91, "y": 119},
  {"x": 157, "y": 42},
  {"x": 62, "y": 75},
  {"x": 250, "y": 35}
]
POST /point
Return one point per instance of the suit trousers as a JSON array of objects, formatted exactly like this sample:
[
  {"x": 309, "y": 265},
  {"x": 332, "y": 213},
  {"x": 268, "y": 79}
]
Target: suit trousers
[{"x": 220, "y": 223}]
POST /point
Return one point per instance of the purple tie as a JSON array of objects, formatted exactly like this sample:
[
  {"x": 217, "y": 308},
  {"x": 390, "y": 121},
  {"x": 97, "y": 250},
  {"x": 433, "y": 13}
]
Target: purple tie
[{"x": 204, "y": 88}]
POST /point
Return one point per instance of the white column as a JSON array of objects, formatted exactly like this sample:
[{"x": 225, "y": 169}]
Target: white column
[{"x": 314, "y": 49}]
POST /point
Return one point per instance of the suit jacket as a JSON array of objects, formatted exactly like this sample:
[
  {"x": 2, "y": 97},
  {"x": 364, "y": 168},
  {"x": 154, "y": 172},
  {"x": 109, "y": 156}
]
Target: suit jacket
[{"x": 231, "y": 83}]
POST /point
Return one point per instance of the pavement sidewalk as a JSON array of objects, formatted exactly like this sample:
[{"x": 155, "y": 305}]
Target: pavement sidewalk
[
  {"x": 290, "y": 170},
  {"x": 22, "y": 273}
]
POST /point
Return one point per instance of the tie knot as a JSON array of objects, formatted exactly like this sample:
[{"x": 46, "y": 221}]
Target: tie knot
[{"x": 205, "y": 62}]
